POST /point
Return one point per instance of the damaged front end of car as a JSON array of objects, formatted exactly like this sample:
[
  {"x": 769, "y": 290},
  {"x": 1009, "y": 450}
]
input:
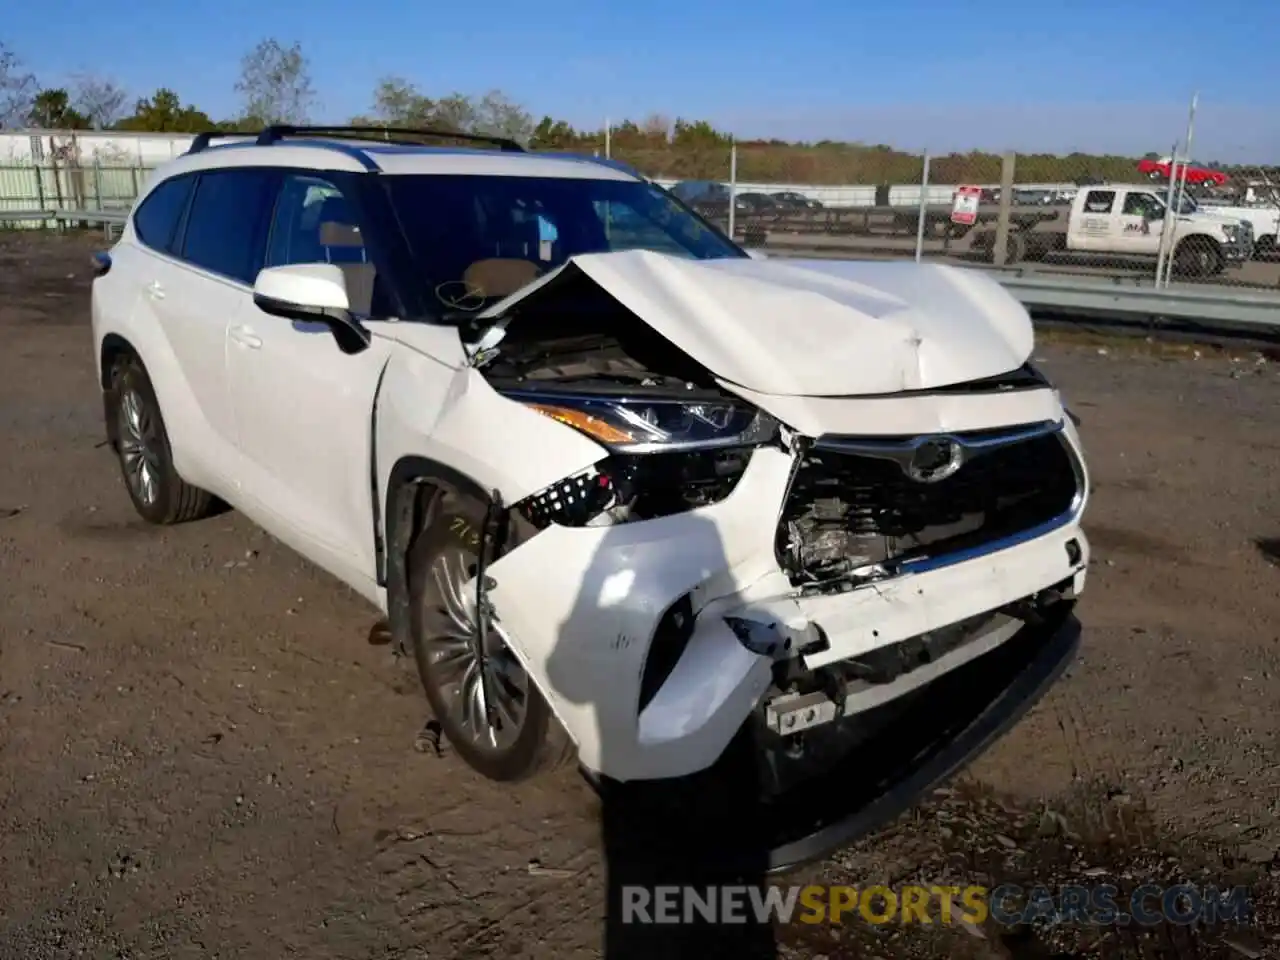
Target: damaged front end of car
[{"x": 724, "y": 601}]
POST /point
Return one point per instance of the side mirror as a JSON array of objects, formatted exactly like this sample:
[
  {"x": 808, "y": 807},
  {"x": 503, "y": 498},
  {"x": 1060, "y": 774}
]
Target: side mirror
[{"x": 312, "y": 293}]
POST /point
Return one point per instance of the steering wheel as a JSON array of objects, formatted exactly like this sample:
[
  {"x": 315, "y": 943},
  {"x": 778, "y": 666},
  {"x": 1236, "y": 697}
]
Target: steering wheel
[{"x": 460, "y": 295}]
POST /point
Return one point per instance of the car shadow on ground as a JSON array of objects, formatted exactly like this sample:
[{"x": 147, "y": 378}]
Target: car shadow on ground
[
  {"x": 1269, "y": 547},
  {"x": 651, "y": 832}
]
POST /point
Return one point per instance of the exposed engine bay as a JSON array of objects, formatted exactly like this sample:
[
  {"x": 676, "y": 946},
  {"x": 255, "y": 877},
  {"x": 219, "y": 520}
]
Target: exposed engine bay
[
  {"x": 852, "y": 512},
  {"x": 558, "y": 344},
  {"x": 573, "y": 332}
]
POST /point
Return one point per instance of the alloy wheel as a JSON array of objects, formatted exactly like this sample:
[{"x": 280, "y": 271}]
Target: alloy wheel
[
  {"x": 480, "y": 680},
  {"x": 139, "y": 441}
]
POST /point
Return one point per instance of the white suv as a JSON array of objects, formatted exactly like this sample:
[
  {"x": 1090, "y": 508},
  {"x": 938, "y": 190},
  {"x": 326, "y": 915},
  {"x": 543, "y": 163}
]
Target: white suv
[{"x": 626, "y": 492}]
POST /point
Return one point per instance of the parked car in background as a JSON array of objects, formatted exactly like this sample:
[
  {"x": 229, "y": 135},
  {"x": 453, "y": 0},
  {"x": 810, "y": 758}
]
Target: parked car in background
[
  {"x": 1032, "y": 198},
  {"x": 701, "y": 191},
  {"x": 792, "y": 200},
  {"x": 755, "y": 203},
  {"x": 708, "y": 198},
  {"x": 1265, "y": 218},
  {"x": 1163, "y": 167},
  {"x": 1128, "y": 220}
]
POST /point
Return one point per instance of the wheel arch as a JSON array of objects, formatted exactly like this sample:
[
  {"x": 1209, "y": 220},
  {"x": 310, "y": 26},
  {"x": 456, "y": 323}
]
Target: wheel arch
[
  {"x": 1201, "y": 241},
  {"x": 112, "y": 348},
  {"x": 414, "y": 484}
]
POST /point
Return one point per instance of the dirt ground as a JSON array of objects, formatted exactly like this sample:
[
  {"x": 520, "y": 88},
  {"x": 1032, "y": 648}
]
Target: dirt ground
[{"x": 205, "y": 751}]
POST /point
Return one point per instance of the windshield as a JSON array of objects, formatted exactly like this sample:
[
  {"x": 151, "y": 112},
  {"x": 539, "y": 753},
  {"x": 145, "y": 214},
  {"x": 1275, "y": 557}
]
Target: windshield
[
  {"x": 477, "y": 239},
  {"x": 1187, "y": 206}
]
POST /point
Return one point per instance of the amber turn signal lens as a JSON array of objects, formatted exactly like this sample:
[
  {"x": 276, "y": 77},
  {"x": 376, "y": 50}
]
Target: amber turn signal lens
[{"x": 591, "y": 426}]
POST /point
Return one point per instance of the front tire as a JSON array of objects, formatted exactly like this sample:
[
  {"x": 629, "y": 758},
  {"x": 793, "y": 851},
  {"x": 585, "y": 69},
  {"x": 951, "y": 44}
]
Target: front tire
[
  {"x": 159, "y": 495},
  {"x": 487, "y": 706},
  {"x": 1198, "y": 257}
]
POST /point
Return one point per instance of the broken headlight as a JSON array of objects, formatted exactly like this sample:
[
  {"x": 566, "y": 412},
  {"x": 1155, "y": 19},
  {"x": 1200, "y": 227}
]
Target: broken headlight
[
  {"x": 668, "y": 456},
  {"x": 641, "y": 425}
]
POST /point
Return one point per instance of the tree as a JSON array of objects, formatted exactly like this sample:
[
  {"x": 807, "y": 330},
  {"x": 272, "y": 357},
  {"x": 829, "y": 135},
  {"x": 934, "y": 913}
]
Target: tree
[
  {"x": 552, "y": 134},
  {"x": 398, "y": 103},
  {"x": 275, "y": 83},
  {"x": 656, "y": 125},
  {"x": 165, "y": 113},
  {"x": 17, "y": 89},
  {"x": 51, "y": 110},
  {"x": 98, "y": 100},
  {"x": 498, "y": 116}
]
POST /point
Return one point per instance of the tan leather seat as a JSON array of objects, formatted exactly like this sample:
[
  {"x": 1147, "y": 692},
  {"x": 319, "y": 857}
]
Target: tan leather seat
[
  {"x": 499, "y": 276},
  {"x": 360, "y": 277}
]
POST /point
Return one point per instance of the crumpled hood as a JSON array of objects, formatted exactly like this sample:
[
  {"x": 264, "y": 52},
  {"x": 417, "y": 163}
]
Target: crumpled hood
[{"x": 818, "y": 327}]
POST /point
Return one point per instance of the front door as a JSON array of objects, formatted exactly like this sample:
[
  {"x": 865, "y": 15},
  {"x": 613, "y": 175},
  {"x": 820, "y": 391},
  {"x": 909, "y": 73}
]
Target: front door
[
  {"x": 1141, "y": 220},
  {"x": 303, "y": 408}
]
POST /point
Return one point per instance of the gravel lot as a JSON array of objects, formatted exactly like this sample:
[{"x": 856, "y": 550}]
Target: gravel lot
[{"x": 206, "y": 750}]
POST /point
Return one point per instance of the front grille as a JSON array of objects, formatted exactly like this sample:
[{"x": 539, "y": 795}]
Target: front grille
[{"x": 849, "y": 510}]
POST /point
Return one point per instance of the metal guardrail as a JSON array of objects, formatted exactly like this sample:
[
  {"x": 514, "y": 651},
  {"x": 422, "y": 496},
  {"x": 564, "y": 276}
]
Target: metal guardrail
[
  {"x": 1237, "y": 311},
  {"x": 1254, "y": 313},
  {"x": 111, "y": 220}
]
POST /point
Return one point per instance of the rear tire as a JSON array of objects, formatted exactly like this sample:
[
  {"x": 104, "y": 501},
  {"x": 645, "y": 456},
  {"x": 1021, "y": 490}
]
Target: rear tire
[
  {"x": 498, "y": 722},
  {"x": 142, "y": 446}
]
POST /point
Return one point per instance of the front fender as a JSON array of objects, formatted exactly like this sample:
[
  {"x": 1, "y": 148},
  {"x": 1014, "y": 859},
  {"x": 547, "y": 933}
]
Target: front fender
[
  {"x": 453, "y": 417},
  {"x": 445, "y": 425}
]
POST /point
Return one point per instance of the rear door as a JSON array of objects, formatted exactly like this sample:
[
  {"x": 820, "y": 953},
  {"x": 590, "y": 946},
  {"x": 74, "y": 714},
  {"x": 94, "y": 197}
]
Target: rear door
[
  {"x": 204, "y": 286},
  {"x": 1096, "y": 225},
  {"x": 189, "y": 306}
]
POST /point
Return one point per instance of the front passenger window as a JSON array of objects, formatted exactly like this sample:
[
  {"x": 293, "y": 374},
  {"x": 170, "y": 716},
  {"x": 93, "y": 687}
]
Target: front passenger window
[
  {"x": 1141, "y": 205},
  {"x": 315, "y": 224}
]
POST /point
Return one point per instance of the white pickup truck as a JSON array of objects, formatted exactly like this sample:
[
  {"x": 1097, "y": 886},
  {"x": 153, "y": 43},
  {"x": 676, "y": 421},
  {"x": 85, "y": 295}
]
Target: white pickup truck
[
  {"x": 1128, "y": 220},
  {"x": 1265, "y": 218}
]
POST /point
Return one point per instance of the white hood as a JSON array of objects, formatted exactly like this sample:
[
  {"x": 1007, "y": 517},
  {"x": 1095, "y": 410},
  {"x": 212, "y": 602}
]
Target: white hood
[{"x": 818, "y": 328}]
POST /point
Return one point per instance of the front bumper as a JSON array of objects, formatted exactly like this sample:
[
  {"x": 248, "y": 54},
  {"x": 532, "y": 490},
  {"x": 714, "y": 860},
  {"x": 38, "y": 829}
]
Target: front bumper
[
  {"x": 1240, "y": 250},
  {"x": 582, "y": 605},
  {"x": 705, "y": 819}
]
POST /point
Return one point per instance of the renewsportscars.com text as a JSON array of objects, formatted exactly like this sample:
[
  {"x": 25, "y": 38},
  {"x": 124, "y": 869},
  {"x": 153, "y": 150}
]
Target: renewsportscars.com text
[{"x": 1008, "y": 905}]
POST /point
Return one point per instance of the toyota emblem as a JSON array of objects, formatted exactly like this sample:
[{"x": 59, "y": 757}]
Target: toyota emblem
[{"x": 935, "y": 459}]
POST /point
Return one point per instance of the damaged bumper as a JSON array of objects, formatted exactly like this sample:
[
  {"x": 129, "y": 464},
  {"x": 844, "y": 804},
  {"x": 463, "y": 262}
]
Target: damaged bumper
[
  {"x": 922, "y": 741},
  {"x": 659, "y": 643}
]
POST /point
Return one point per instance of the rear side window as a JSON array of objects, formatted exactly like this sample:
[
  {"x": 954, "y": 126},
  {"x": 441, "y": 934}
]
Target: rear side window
[
  {"x": 157, "y": 218},
  {"x": 227, "y": 225},
  {"x": 1099, "y": 201}
]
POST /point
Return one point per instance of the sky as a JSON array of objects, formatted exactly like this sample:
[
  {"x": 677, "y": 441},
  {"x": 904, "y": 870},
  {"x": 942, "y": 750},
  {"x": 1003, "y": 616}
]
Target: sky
[{"x": 943, "y": 75}]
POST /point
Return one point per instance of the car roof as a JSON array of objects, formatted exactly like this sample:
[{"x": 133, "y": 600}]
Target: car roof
[{"x": 365, "y": 156}]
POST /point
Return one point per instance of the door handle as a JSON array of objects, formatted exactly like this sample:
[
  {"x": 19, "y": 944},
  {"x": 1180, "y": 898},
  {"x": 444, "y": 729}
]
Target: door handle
[
  {"x": 246, "y": 337},
  {"x": 155, "y": 291}
]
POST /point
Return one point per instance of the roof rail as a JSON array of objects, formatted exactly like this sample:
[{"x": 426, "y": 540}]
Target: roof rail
[
  {"x": 591, "y": 158},
  {"x": 202, "y": 139},
  {"x": 277, "y": 132}
]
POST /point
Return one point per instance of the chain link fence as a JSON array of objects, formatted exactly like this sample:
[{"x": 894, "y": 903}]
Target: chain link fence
[
  {"x": 1085, "y": 215},
  {"x": 1081, "y": 214}
]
